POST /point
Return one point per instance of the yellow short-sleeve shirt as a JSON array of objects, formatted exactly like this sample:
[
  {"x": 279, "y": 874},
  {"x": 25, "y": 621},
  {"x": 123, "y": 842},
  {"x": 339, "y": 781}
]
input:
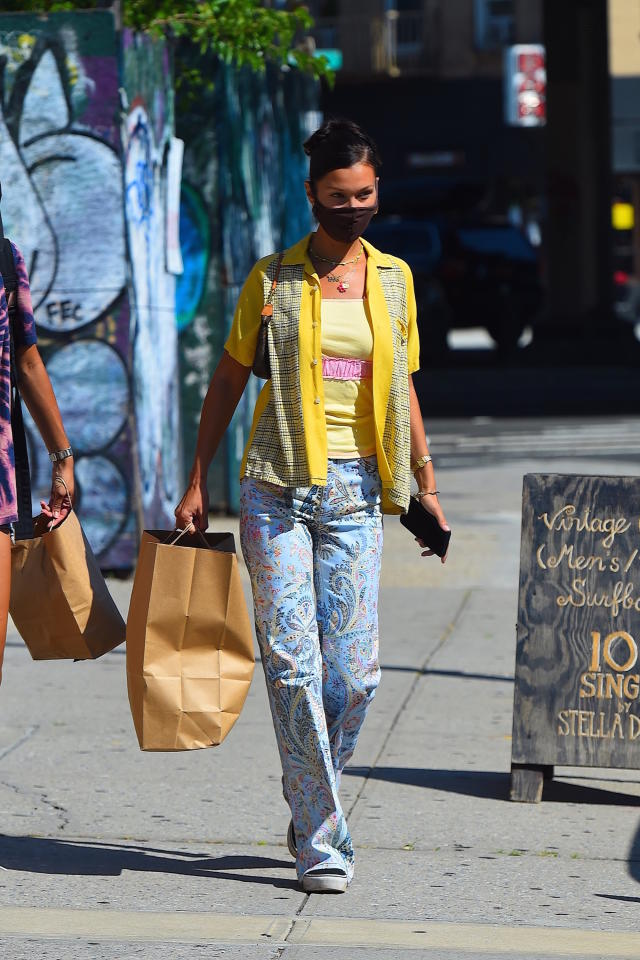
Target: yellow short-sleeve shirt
[{"x": 392, "y": 323}]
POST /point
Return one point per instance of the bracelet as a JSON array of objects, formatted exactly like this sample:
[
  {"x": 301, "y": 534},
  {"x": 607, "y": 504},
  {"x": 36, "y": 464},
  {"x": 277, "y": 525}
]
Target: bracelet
[
  {"x": 421, "y": 462},
  {"x": 427, "y": 493},
  {"x": 60, "y": 455}
]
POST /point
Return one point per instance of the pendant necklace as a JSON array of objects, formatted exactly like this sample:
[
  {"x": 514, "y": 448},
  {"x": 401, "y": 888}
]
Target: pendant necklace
[{"x": 342, "y": 281}]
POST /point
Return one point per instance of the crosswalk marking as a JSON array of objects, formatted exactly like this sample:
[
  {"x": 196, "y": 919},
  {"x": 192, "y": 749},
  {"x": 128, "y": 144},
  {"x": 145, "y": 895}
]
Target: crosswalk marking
[
  {"x": 131, "y": 926},
  {"x": 620, "y": 438},
  {"x": 474, "y": 939}
]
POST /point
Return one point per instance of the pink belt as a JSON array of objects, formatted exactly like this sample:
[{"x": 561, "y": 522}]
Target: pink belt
[{"x": 346, "y": 368}]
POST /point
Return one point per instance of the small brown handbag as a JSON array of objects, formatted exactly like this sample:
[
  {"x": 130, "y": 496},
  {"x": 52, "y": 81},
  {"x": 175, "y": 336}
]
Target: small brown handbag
[{"x": 261, "y": 362}]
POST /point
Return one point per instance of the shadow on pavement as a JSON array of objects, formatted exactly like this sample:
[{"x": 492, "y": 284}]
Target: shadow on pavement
[
  {"x": 612, "y": 896},
  {"x": 561, "y": 791},
  {"x": 634, "y": 858},
  {"x": 70, "y": 858},
  {"x": 492, "y": 785},
  {"x": 456, "y": 674}
]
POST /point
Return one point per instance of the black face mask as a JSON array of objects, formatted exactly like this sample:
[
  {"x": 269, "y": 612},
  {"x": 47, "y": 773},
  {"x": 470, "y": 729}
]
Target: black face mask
[{"x": 344, "y": 224}]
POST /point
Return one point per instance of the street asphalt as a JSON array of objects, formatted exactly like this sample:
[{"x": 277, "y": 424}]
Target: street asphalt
[{"x": 107, "y": 852}]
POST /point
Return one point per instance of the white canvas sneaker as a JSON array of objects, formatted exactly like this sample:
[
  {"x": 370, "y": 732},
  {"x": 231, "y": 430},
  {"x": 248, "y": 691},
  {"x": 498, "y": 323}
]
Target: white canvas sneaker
[{"x": 324, "y": 880}]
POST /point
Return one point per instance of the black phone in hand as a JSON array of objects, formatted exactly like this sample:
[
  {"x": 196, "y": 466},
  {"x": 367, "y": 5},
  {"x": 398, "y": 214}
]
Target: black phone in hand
[{"x": 424, "y": 525}]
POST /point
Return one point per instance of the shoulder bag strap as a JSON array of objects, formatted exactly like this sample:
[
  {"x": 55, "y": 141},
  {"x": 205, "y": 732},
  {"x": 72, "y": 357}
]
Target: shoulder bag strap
[
  {"x": 10, "y": 281},
  {"x": 267, "y": 310},
  {"x": 24, "y": 526},
  {"x": 8, "y": 271}
]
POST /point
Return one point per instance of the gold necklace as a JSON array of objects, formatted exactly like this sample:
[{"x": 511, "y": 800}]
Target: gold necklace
[
  {"x": 342, "y": 281},
  {"x": 336, "y": 263}
]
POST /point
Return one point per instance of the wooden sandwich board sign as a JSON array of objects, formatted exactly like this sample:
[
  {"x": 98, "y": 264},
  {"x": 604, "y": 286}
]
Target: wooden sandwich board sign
[{"x": 577, "y": 678}]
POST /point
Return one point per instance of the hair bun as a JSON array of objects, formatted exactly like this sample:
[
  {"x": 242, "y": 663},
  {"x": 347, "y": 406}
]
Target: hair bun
[
  {"x": 335, "y": 128},
  {"x": 339, "y": 143}
]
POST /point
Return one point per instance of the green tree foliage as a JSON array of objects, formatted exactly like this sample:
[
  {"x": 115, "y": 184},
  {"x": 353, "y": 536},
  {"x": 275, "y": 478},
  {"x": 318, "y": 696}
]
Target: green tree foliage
[{"x": 245, "y": 32}]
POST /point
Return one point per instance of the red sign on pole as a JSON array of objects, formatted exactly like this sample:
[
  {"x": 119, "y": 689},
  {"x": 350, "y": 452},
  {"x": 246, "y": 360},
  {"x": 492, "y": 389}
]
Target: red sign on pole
[{"x": 525, "y": 85}]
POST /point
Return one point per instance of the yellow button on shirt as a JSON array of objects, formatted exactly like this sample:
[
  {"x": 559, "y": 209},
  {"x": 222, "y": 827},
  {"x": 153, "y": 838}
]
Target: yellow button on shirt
[{"x": 348, "y": 387}]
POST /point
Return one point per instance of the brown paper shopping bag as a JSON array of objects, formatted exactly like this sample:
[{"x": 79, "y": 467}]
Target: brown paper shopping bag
[
  {"x": 59, "y": 602},
  {"x": 190, "y": 652}
]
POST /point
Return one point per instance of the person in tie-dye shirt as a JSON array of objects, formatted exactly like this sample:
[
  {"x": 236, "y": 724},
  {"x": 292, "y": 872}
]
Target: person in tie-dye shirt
[{"x": 37, "y": 392}]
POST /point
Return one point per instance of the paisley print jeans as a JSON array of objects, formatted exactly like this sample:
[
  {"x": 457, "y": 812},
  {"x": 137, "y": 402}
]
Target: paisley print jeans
[{"x": 313, "y": 555}]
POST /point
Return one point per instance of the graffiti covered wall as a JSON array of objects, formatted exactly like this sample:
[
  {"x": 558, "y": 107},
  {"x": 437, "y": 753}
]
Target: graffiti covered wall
[
  {"x": 152, "y": 161},
  {"x": 92, "y": 179},
  {"x": 82, "y": 180},
  {"x": 242, "y": 198}
]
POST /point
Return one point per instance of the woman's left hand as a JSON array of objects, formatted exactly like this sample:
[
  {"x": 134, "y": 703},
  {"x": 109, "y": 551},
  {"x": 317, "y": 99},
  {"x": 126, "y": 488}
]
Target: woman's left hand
[
  {"x": 60, "y": 502},
  {"x": 432, "y": 504}
]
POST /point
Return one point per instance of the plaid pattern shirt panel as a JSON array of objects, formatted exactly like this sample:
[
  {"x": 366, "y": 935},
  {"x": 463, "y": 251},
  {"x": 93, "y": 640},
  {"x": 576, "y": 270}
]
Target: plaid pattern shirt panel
[
  {"x": 288, "y": 440},
  {"x": 278, "y": 451},
  {"x": 396, "y": 439}
]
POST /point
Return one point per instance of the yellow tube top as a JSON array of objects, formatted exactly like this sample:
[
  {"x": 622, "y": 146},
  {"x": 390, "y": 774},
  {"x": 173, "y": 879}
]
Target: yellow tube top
[{"x": 347, "y": 352}]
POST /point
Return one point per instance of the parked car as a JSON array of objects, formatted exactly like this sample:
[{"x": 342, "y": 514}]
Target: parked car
[{"x": 467, "y": 274}]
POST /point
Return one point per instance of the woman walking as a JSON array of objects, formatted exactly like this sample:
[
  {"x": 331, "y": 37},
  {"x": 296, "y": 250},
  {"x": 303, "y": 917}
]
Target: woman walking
[
  {"x": 18, "y": 349},
  {"x": 336, "y": 430}
]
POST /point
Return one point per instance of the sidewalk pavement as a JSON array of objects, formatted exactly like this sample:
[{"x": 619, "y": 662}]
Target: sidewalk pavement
[{"x": 111, "y": 853}]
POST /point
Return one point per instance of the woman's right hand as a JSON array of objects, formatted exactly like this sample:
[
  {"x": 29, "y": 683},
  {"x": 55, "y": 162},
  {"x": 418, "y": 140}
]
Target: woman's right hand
[{"x": 194, "y": 507}]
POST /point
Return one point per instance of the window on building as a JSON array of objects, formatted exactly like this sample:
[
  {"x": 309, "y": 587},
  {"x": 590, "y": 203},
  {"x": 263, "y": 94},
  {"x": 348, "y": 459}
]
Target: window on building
[{"x": 495, "y": 23}]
